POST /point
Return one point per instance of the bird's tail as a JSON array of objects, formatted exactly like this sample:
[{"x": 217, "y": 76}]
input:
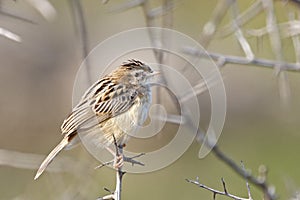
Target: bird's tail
[{"x": 51, "y": 155}]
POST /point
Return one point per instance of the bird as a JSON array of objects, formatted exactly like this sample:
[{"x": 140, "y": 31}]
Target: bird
[{"x": 110, "y": 109}]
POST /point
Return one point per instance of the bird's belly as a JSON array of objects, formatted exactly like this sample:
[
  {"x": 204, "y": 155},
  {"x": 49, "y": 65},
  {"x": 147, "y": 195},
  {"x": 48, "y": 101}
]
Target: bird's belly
[{"x": 126, "y": 124}]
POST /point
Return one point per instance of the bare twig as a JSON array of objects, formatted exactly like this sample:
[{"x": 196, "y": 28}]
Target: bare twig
[
  {"x": 16, "y": 17},
  {"x": 127, "y": 5},
  {"x": 105, "y": 1},
  {"x": 247, "y": 183},
  {"x": 116, "y": 195},
  {"x": 295, "y": 39},
  {"x": 241, "y": 60},
  {"x": 262, "y": 184},
  {"x": 275, "y": 40},
  {"x": 210, "y": 27},
  {"x": 239, "y": 33},
  {"x": 242, "y": 172},
  {"x": 32, "y": 161},
  {"x": 287, "y": 29},
  {"x": 216, "y": 192},
  {"x": 104, "y": 164},
  {"x": 44, "y": 7},
  {"x": 10, "y": 35},
  {"x": 242, "y": 19},
  {"x": 81, "y": 29}
]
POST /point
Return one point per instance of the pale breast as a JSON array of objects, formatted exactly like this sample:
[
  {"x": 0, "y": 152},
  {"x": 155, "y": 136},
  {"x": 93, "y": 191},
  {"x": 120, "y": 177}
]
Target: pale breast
[{"x": 126, "y": 124}]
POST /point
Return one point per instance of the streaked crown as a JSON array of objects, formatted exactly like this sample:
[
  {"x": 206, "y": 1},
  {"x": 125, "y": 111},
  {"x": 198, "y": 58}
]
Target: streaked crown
[{"x": 134, "y": 72}]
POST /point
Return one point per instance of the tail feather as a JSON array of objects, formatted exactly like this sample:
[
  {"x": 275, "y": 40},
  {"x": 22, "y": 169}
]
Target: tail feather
[{"x": 51, "y": 155}]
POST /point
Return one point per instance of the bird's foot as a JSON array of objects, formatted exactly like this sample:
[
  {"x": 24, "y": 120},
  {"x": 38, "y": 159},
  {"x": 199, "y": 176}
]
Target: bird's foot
[{"x": 118, "y": 161}]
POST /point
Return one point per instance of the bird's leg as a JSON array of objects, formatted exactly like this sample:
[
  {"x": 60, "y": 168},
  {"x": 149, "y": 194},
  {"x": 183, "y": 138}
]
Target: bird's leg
[
  {"x": 118, "y": 161},
  {"x": 119, "y": 157}
]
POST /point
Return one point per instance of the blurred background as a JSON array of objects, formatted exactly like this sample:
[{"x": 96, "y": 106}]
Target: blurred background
[{"x": 42, "y": 44}]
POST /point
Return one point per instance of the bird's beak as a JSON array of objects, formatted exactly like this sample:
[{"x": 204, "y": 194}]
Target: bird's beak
[
  {"x": 154, "y": 78},
  {"x": 155, "y": 73}
]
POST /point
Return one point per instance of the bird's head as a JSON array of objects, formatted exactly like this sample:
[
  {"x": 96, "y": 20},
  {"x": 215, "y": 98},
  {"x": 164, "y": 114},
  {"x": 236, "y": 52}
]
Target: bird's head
[{"x": 137, "y": 73}]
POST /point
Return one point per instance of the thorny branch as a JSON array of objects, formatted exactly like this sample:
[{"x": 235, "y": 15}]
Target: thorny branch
[
  {"x": 218, "y": 192},
  {"x": 116, "y": 195},
  {"x": 258, "y": 182}
]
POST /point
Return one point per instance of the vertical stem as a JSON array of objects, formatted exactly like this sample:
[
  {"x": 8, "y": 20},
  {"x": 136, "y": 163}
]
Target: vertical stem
[
  {"x": 78, "y": 17},
  {"x": 119, "y": 176}
]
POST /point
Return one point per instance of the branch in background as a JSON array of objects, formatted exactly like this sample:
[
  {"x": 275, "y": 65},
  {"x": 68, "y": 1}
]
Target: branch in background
[
  {"x": 10, "y": 35},
  {"x": 276, "y": 44},
  {"x": 105, "y": 1},
  {"x": 253, "y": 10},
  {"x": 116, "y": 195},
  {"x": 126, "y": 6},
  {"x": 225, "y": 59},
  {"x": 260, "y": 182},
  {"x": 210, "y": 27},
  {"x": 32, "y": 161},
  {"x": 239, "y": 33},
  {"x": 150, "y": 14},
  {"x": 16, "y": 17},
  {"x": 218, "y": 192},
  {"x": 80, "y": 25},
  {"x": 287, "y": 29},
  {"x": 44, "y": 7},
  {"x": 157, "y": 41},
  {"x": 295, "y": 38}
]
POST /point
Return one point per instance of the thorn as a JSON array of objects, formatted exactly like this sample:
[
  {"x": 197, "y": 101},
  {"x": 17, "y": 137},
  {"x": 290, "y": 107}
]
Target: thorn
[
  {"x": 224, "y": 185},
  {"x": 107, "y": 190}
]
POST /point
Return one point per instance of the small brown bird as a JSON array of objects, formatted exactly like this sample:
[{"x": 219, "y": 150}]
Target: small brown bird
[{"x": 111, "y": 108}]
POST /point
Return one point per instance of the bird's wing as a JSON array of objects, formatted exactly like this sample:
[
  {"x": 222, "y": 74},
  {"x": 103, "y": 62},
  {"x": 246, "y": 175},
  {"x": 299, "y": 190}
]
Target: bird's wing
[{"x": 105, "y": 99}]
